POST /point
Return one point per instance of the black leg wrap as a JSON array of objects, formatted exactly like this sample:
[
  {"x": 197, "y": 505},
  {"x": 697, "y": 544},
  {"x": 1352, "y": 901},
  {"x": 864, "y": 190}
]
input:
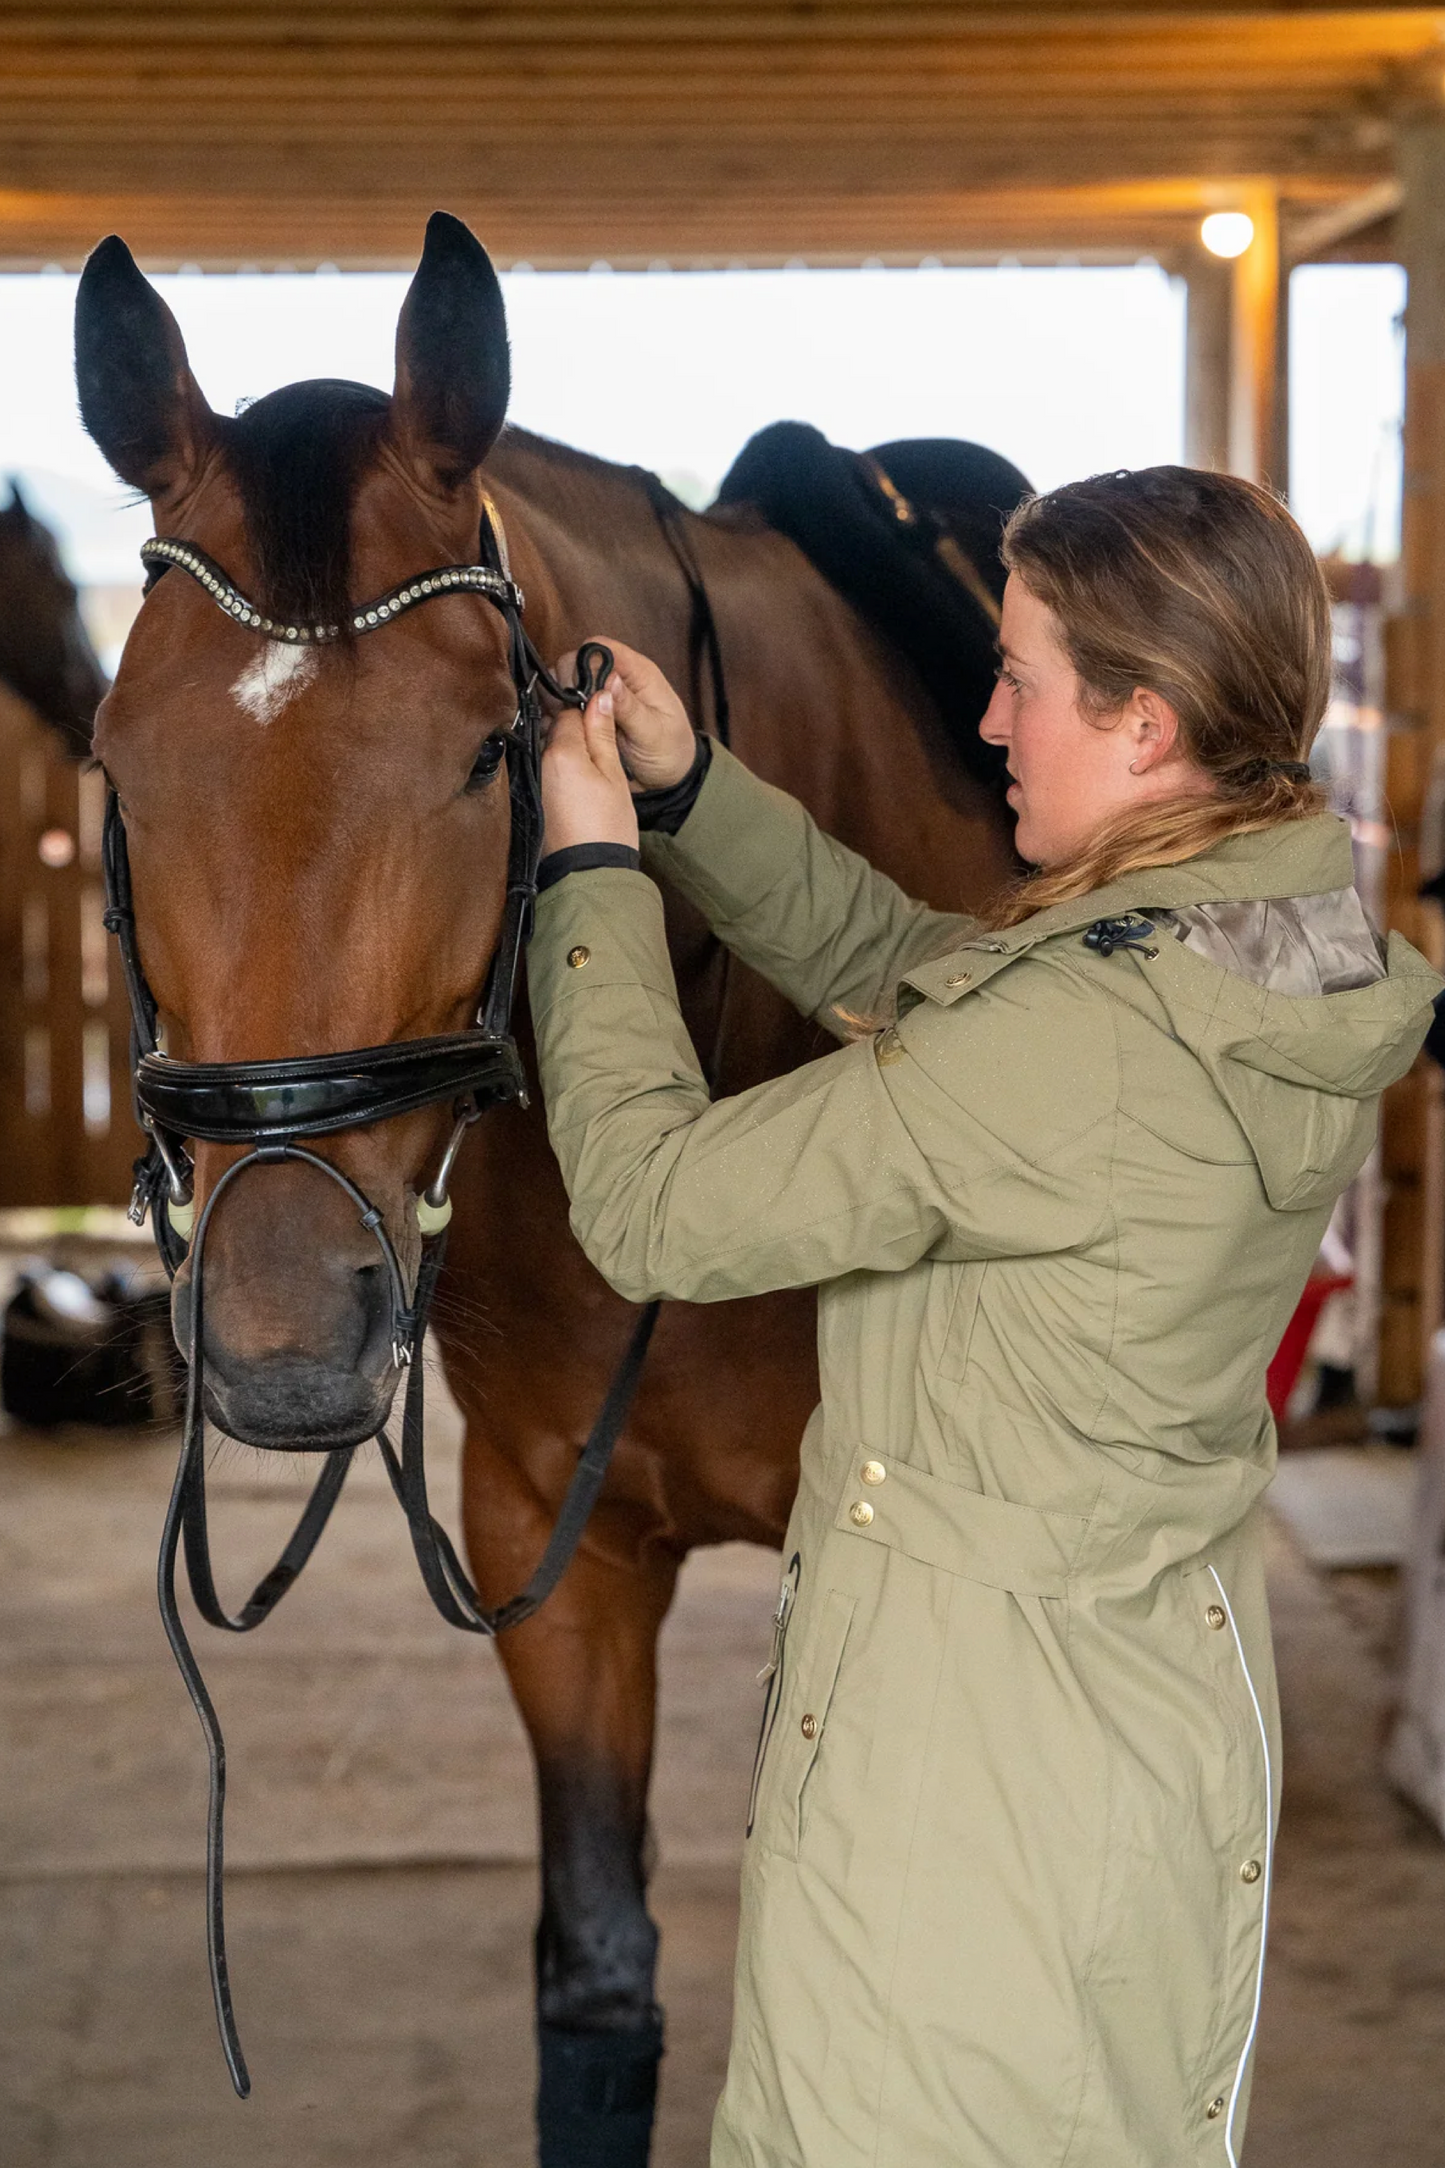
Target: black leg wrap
[{"x": 596, "y": 2092}]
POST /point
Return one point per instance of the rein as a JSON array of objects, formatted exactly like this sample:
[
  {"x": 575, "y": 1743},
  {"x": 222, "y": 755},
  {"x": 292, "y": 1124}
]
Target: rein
[{"x": 268, "y": 1109}]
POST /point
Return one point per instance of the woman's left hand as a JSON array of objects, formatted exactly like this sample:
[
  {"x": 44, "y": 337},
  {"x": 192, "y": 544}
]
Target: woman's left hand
[{"x": 586, "y": 797}]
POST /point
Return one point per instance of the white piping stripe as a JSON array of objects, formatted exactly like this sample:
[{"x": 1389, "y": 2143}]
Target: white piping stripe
[{"x": 1268, "y": 1874}]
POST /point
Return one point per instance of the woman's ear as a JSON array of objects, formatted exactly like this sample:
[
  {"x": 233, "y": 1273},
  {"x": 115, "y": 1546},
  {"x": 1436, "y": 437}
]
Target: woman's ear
[{"x": 1150, "y": 726}]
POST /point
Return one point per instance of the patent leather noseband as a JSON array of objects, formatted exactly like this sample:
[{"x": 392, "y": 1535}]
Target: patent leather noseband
[
  {"x": 275, "y": 1110},
  {"x": 315, "y": 1095}
]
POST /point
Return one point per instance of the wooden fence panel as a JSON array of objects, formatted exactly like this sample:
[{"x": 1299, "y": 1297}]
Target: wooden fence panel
[{"x": 67, "y": 1134}]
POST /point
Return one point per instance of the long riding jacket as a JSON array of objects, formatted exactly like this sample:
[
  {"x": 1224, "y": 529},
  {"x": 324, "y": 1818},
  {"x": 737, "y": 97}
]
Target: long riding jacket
[{"x": 1008, "y": 1876}]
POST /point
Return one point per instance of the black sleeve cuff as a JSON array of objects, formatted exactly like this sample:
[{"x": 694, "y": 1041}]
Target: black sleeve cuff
[
  {"x": 581, "y": 857},
  {"x": 662, "y": 812}
]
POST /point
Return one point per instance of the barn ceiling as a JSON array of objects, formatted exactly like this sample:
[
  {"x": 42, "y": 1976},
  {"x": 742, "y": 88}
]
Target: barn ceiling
[{"x": 745, "y": 130}]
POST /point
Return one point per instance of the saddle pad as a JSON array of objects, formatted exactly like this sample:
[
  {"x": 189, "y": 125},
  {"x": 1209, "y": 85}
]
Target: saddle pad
[{"x": 909, "y": 535}]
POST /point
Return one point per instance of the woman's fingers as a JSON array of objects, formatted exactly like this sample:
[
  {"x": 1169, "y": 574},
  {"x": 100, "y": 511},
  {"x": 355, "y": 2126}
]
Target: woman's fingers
[
  {"x": 585, "y": 793},
  {"x": 599, "y": 728},
  {"x": 655, "y": 737}
]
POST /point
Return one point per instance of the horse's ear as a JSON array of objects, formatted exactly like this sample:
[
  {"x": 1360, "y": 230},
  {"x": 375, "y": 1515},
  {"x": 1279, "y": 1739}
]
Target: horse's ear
[
  {"x": 17, "y": 512},
  {"x": 453, "y": 371},
  {"x": 138, "y": 397}
]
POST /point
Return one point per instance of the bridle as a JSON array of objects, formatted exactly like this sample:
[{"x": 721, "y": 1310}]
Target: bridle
[{"x": 275, "y": 1111}]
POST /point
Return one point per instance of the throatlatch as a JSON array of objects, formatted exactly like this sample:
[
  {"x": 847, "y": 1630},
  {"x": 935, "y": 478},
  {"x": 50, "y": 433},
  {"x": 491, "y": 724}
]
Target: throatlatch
[{"x": 275, "y": 1110}]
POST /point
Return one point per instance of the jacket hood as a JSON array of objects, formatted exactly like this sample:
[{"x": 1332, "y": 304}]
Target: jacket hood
[{"x": 1300, "y": 1074}]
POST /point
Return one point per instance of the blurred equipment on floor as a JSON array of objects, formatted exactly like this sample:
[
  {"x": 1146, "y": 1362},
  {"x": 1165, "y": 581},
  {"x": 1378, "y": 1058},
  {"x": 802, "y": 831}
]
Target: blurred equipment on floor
[{"x": 92, "y": 1347}]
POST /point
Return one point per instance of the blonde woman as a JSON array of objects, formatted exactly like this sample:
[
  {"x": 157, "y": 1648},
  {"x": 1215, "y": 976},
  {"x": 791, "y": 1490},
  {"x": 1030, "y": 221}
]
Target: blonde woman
[{"x": 1008, "y": 1882}]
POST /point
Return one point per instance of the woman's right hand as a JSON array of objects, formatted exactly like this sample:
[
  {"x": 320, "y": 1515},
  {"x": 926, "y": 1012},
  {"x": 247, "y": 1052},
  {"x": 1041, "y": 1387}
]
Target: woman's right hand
[{"x": 654, "y": 736}]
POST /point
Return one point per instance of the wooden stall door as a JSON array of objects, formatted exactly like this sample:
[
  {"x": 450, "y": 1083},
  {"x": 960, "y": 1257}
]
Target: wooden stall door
[{"x": 67, "y": 1134}]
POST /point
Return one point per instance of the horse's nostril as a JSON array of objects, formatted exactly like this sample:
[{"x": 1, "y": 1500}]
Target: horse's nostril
[{"x": 374, "y": 1297}]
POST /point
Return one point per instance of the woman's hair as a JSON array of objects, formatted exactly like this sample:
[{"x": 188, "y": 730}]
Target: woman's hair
[{"x": 1201, "y": 588}]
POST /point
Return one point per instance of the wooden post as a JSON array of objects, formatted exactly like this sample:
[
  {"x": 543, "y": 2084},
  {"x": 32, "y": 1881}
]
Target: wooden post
[
  {"x": 1207, "y": 360},
  {"x": 1413, "y": 1130},
  {"x": 1257, "y": 429}
]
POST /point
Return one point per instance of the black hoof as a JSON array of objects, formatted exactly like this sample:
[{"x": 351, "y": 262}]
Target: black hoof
[{"x": 596, "y": 2092}]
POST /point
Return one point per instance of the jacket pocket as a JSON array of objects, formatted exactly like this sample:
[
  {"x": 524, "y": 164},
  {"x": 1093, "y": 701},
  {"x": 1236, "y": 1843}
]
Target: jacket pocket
[
  {"x": 796, "y": 1717},
  {"x": 771, "y": 1676},
  {"x": 819, "y": 1681}
]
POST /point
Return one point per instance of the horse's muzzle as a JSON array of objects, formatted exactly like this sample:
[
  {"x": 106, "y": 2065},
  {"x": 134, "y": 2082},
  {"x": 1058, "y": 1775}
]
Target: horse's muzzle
[{"x": 327, "y": 1383}]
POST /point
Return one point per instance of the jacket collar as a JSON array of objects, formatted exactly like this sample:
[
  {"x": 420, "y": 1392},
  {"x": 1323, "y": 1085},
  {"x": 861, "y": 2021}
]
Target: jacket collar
[{"x": 1294, "y": 858}]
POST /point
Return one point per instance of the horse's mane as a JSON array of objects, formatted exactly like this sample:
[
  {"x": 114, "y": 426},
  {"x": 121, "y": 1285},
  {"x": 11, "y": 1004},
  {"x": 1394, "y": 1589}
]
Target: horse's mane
[{"x": 296, "y": 456}]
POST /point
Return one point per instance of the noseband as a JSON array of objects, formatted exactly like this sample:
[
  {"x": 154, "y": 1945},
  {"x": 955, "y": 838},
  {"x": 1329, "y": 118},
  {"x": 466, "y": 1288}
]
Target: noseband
[{"x": 275, "y": 1110}]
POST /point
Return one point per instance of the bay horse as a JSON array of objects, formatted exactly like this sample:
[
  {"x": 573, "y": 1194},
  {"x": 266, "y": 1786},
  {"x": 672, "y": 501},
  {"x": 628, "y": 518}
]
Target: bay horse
[
  {"x": 45, "y": 651},
  {"x": 318, "y": 849}
]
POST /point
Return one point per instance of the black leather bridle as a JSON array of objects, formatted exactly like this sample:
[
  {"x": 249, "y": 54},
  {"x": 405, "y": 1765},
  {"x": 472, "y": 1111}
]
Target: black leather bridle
[{"x": 275, "y": 1110}]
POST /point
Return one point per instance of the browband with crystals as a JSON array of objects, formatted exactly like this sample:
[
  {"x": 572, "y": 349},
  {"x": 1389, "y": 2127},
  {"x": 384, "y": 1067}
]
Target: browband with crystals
[{"x": 161, "y": 552}]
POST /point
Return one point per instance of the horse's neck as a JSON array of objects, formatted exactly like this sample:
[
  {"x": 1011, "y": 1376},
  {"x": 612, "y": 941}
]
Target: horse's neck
[{"x": 818, "y": 703}]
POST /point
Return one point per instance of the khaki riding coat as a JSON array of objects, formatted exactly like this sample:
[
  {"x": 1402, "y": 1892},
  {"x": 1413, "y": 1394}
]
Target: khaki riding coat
[{"x": 1008, "y": 1869}]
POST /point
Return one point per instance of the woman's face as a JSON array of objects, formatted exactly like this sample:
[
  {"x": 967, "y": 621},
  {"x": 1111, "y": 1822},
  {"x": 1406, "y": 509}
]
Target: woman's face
[{"x": 1070, "y": 772}]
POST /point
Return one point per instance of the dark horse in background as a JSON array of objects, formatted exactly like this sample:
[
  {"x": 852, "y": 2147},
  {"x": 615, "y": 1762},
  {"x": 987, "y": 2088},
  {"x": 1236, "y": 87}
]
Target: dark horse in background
[
  {"x": 319, "y": 850},
  {"x": 45, "y": 652}
]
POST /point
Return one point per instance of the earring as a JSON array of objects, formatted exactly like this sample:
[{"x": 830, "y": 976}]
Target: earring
[{"x": 1133, "y": 767}]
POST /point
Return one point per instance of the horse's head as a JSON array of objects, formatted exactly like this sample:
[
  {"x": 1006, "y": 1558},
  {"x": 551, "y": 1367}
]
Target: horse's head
[
  {"x": 318, "y": 835},
  {"x": 45, "y": 651}
]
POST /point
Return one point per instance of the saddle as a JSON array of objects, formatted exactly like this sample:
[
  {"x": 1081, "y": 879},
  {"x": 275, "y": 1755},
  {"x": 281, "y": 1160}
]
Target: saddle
[{"x": 908, "y": 534}]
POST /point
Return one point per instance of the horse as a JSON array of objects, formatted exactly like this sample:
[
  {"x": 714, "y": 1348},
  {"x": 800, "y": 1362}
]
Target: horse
[
  {"x": 45, "y": 652},
  {"x": 319, "y": 849}
]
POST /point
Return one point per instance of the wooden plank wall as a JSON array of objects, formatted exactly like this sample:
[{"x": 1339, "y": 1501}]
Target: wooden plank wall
[{"x": 67, "y": 1135}]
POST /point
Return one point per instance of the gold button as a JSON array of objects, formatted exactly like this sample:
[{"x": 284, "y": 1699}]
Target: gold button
[
  {"x": 959, "y": 978},
  {"x": 873, "y": 1471},
  {"x": 1250, "y": 1871},
  {"x": 809, "y": 1727},
  {"x": 1214, "y": 1617},
  {"x": 577, "y": 957},
  {"x": 860, "y": 1513},
  {"x": 1216, "y": 2107}
]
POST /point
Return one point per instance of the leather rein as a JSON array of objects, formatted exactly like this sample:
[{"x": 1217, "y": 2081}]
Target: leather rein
[{"x": 274, "y": 1111}]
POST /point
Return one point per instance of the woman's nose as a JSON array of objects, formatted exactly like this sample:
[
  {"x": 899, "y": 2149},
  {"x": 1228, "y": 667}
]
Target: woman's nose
[{"x": 994, "y": 727}]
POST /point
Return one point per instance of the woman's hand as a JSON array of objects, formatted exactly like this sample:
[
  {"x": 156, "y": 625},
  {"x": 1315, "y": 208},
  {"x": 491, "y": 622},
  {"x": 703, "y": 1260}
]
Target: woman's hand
[
  {"x": 585, "y": 793},
  {"x": 654, "y": 735}
]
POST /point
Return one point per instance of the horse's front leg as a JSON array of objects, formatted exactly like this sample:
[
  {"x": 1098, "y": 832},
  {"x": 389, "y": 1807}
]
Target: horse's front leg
[{"x": 584, "y": 1673}]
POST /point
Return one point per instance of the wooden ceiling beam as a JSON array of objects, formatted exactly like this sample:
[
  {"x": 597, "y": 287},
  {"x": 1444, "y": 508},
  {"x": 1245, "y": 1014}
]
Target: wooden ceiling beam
[
  {"x": 402, "y": 22},
  {"x": 841, "y": 127},
  {"x": 1113, "y": 224}
]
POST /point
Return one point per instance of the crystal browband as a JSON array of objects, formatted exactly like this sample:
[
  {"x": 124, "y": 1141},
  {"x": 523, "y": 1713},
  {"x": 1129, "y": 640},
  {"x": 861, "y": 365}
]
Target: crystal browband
[{"x": 161, "y": 552}]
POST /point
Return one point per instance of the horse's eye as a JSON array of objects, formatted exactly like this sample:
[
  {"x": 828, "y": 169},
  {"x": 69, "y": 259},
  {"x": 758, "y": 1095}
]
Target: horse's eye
[{"x": 487, "y": 762}]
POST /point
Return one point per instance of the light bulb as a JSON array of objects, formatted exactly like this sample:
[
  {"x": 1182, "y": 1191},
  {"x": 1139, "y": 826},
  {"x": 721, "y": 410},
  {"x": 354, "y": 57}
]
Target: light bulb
[{"x": 1227, "y": 233}]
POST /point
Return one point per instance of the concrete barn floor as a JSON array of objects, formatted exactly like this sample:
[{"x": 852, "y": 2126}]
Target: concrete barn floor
[{"x": 381, "y": 1892}]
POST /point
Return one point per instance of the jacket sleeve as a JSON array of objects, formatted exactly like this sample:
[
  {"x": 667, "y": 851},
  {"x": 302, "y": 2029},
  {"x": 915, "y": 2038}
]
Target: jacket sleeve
[
  {"x": 865, "y": 1160},
  {"x": 807, "y": 913}
]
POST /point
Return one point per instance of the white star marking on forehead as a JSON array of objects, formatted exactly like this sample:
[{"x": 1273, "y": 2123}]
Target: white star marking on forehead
[{"x": 275, "y": 677}]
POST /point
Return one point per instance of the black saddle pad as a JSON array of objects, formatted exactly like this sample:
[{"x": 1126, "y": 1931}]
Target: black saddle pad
[{"x": 909, "y": 535}]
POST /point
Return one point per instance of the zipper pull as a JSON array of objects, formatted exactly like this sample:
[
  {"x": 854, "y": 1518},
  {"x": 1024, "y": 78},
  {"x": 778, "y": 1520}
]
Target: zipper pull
[{"x": 780, "y": 1627}]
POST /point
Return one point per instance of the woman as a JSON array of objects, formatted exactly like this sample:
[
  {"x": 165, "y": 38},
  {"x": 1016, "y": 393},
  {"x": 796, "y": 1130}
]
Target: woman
[{"x": 1009, "y": 1869}]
